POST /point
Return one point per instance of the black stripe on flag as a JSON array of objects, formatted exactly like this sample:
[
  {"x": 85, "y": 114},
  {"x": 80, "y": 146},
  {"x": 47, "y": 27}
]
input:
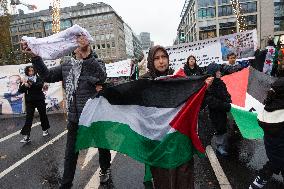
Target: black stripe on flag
[
  {"x": 169, "y": 93},
  {"x": 258, "y": 84}
]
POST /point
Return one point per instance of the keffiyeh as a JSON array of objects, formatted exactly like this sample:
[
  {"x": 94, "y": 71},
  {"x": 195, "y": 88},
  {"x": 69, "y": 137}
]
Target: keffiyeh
[
  {"x": 57, "y": 45},
  {"x": 73, "y": 79}
]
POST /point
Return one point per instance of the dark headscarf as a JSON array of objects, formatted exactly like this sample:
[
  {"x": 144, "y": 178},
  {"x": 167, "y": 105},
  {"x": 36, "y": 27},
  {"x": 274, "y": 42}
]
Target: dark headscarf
[{"x": 153, "y": 73}]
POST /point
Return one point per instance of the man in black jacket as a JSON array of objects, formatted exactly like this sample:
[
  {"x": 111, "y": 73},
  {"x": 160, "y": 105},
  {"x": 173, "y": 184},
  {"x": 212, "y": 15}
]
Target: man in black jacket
[
  {"x": 81, "y": 77},
  {"x": 34, "y": 99},
  {"x": 232, "y": 66}
]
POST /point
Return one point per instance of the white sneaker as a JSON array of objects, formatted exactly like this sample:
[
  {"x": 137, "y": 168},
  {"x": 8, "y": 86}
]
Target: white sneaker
[
  {"x": 26, "y": 139},
  {"x": 45, "y": 133}
]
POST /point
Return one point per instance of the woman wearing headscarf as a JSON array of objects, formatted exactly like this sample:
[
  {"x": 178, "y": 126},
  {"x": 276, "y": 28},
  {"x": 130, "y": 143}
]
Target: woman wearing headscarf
[{"x": 182, "y": 176}]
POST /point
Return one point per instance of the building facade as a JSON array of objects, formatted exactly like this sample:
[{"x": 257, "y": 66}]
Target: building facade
[
  {"x": 145, "y": 39},
  {"x": 128, "y": 41},
  {"x": 137, "y": 48},
  {"x": 279, "y": 17},
  {"x": 112, "y": 41},
  {"x": 202, "y": 19}
]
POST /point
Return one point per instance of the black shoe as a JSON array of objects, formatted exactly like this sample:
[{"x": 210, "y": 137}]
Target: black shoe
[
  {"x": 258, "y": 183},
  {"x": 65, "y": 186},
  {"x": 105, "y": 176}
]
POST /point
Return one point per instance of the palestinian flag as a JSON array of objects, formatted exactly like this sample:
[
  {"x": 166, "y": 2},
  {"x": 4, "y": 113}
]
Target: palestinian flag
[
  {"x": 248, "y": 89},
  {"x": 152, "y": 121}
]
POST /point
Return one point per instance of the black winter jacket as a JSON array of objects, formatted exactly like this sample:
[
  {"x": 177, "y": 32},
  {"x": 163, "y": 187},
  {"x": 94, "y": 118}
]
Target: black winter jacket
[
  {"x": 227, "y": 69},
  {"x": 196, "y": 71},
  {"x": 34, "y": 92},
  {"x": 218, "y": 100},
  {"x": 218, "y": 97},
  {"x": 92, "y": 73},
  {"x": 275, "y": 97}
]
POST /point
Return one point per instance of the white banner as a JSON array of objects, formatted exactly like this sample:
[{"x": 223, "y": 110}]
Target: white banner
[
  {"x": 11, "y": 102},
  {"x": 119, "y": 69},
  {"x": 214, "y": 49}
]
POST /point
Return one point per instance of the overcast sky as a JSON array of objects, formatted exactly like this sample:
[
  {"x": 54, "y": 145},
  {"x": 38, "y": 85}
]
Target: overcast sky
[{"x": 159, "y": 17}]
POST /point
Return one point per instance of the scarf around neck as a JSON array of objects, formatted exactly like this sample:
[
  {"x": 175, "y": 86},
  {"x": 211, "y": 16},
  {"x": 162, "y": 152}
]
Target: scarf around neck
[{"x": 72, "y": 80}]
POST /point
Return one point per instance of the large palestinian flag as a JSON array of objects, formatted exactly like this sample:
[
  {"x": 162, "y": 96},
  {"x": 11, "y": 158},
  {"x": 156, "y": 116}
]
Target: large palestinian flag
[
  {"x": 152, "y": 121},
  {"x": 248, "y": 89}
]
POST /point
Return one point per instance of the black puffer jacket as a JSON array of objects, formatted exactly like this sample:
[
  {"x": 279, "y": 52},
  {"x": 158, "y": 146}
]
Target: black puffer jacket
[
  {"x": 33, "y": 93},
  {"x": 218, "y": 100},
  {"x": 92, "y": 73},
  {"x": 218, "y": 97}
]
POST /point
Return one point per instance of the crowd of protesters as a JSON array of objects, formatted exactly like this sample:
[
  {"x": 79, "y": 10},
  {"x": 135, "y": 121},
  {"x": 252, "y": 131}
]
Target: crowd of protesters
[{"x": 84, "y": 66}]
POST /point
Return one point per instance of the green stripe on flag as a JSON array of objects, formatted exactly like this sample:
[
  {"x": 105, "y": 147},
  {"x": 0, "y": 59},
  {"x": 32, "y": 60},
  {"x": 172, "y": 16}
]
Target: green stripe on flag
[
  {"x": 247, "y": 123},
  {"x": 174, "y": 150}
]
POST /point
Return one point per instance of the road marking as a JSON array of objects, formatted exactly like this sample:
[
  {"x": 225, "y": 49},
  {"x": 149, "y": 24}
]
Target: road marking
[
  {"x": 16, "y": 133},
  {"x": 18, "y": 163},
  {"x": 94, "y": 182},
  {"x": 219, "y": 173},
  {"x": 90, "y": 154}
]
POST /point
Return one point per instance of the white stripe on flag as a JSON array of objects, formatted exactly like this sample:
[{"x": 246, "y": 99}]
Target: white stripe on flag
[{"x": 150, "y": 122}]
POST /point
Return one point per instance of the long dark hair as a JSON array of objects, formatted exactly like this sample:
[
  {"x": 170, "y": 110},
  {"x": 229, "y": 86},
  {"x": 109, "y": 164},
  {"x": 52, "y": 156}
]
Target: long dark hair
[
  {"x": 27, "y": 70},
  {"x": 187, "y": 60}
]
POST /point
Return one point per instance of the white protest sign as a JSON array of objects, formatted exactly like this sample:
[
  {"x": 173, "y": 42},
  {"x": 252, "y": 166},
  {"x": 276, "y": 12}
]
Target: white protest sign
[{"x": 119, "y": 69}]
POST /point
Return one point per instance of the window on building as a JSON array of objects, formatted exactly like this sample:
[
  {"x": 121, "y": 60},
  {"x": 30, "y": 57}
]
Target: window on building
[
  {"x": 251, "y": 22},
  {"x": 206, "y": 12},
  {"x": 107, "y": 36},
  {"x": 227, "y": 28},
  {"x": 97, "y": 37},
  {"x": 207, "y": 32},
  {"x": 249, "y": 7},
  {"x": 14, "y": 29},
  {"x": 108, "y": 45},
  {"x": 112, "y": 44},
  {"x": 38, "y": 35},
  {"x": 103, "y": 37},
  {"x": 206, "y": 3},
  {"x": 103, "y": 46},
  {"x": 15, "y": 39},
  {"x": 98, "y": 46},
  {"x": 225, "y": 10},
  {"x": 100, "y": 17},
  {"x": 222, "y": 2}
]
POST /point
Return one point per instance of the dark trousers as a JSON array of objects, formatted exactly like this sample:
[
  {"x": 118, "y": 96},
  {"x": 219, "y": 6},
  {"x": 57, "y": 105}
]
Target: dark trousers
[
  {"x": 71, "y": 157},
  {"x": 181, "y": 177},
  {"x": 30, "y": 110},
  {"x": 274, "y": 147}
]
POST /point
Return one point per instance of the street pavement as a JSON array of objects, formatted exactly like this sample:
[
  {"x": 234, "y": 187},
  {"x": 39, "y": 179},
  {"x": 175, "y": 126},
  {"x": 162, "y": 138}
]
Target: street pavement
[{"x": 39, "y": 164}]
